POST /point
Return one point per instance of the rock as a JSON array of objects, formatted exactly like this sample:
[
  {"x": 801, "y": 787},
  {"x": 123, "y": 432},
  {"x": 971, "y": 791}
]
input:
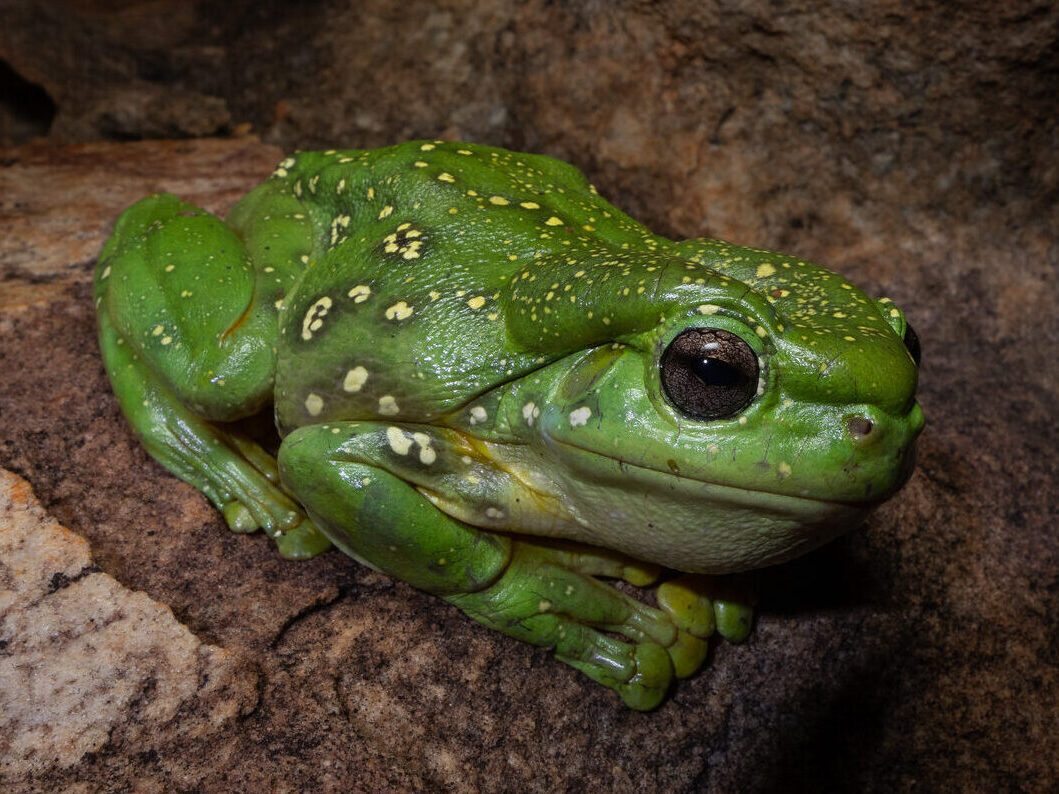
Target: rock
[{"x": 86, "y": 663}]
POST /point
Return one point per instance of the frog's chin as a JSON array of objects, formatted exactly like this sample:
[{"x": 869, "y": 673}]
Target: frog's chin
[{"x": 692, "y": 525}]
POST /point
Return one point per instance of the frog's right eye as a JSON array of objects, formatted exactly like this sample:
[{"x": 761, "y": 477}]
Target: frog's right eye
[{"x": 709, "y": 373}]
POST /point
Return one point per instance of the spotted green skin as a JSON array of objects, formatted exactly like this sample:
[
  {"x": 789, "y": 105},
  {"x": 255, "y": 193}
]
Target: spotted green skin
[{"x": 462, "y": 348}]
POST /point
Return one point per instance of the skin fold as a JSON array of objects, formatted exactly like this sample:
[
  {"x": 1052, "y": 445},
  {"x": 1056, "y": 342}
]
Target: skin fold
[{"x": 493, "y": 384}]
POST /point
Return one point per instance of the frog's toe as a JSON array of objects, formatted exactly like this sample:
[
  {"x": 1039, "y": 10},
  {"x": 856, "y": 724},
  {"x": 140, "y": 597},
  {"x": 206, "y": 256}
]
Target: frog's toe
[
  {"x": 647, "y": 673},
  {"x": 239, "y": 517},
  {"x": 734, "y": 619},
  {"x": 302, "y": 542}
]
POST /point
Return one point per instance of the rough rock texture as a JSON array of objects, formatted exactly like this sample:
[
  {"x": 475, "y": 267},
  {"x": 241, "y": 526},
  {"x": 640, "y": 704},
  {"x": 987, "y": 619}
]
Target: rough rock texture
[
  {"x": 85, "y": 662},
  {"x": 911, "y": 148}
]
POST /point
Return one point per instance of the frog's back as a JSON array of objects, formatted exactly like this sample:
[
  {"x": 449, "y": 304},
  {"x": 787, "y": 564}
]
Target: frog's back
[{"x": 398, "y": 310}]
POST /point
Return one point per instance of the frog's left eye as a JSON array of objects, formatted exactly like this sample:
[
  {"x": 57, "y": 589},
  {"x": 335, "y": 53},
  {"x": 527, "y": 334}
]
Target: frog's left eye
[{"x": 709, "y": 373}]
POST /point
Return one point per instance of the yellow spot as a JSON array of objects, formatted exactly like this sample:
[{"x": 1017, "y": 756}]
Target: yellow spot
[
  {"x": 314, "y": 318},
  {"x": 530, "y": 205},
  {"x": 765, "y": 270},
  {"x": 385, "y": 212},
  {"x": 500, "y": 201},
  {"x": 544, "y": 605},
  {"x": 553, "y": 221},
  {"x": 580, "y": 416},
  {"x": 426, "y": 147},
  {"x": 849, "y": 339},
  {"x": 761, "y": 332},
  {"x": 446, "y": 177},
  {"x": 166, "y": 340},
  {"x": 355, "y": 379},
  {"x": 371, "y": 193},
  {"x": 419, "y": 164},
  {"x": 709, "y": 308},
  {"x": 399, "y": 311},
  {"x": 399, "y": 442},
  {"x": 105, "y": 273},
  {"x": 784, "y": 470},
  {"x": 463, "y": 151},
  {"x": 314, "y": 404},
  {"x": 157, "y": 330},
  {"x": 477, "y": 302},
  {"x": 359, "y": 293},
  {"x": 388, "y": 405},
  {"x": 169, "y": 268},
  {"x": 434, "y": 294}
]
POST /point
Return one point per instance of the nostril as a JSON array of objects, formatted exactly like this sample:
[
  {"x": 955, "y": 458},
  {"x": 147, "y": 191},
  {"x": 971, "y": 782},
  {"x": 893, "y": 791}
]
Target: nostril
[{"x": 859, "y": 426}]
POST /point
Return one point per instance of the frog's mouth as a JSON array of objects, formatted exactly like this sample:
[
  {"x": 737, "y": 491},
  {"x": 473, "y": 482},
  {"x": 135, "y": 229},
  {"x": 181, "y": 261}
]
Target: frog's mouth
[{"x": 693, "y": 524}]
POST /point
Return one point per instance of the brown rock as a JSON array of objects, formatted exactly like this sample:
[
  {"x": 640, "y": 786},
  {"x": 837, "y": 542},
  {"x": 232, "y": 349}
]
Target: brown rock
[{"x": 85, "y": 662}]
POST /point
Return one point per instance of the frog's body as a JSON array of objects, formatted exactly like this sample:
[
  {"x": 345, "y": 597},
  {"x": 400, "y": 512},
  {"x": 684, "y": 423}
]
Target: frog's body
[{"x": 467, "y": 346}]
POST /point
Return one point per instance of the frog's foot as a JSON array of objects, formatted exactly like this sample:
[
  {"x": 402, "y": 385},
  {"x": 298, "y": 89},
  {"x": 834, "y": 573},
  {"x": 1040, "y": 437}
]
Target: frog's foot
[{"x": 553, "y": 599}]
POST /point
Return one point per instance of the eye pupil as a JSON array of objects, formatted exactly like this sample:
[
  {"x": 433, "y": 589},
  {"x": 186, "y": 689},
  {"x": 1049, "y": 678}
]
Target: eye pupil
[
  {"x": 717, "y": 372},
  {"x": 709, "y": 373}
]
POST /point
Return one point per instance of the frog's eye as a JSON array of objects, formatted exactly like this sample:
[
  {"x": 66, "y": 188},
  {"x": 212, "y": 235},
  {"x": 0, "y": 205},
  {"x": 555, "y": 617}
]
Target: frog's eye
[
  {"x": 912, "y": 343},
  {"x": 709, "y": 373}
]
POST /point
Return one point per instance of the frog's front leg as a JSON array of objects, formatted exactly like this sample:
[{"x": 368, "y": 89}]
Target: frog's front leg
[
  {"x": 372, "y": 489},
  {"x": 187, "y": 330}
]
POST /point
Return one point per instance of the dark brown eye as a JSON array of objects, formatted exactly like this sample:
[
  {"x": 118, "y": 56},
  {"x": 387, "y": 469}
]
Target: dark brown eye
[
  {"x": 709, "y": 373},
  {"x": 912, "y": 343}
]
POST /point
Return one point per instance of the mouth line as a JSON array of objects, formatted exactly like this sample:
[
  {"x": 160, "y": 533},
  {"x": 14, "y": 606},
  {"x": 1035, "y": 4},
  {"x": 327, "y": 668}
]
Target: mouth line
[{"x": 863, "y": 504}]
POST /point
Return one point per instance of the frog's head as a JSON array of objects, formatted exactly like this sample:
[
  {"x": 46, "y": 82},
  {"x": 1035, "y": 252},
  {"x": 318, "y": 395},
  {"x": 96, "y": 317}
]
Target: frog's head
[{"x": 769, "y": 407}]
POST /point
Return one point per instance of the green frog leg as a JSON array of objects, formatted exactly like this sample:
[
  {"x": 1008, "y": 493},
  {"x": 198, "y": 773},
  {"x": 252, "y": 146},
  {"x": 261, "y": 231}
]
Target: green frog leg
[
  {"x": 187, "y": 331},
  {"x": 372, "y": 488}
]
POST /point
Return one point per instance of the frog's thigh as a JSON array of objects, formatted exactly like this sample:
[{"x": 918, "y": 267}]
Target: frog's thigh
[{"x": 339, "y": 472}]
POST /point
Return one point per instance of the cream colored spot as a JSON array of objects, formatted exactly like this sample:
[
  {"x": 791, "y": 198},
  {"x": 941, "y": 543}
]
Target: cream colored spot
[
  {"x": 169, "y": 268},
  {"x": 761, "y": 332},
  {"x": 445, "y": 176},
  {"x": 105, "y": 273},
  {"x": 500, "y": 201},
  {"x": 553, "y": 221},
  {"x": 712, "y": 449},
  {"x": 166, "y": 340},
  {"x": 314, "y": 404},
  {"x": 579, "y": 416},
  {"x": 420, "y": 164},
  {"x": 530, "y": 205},
  {"x": 478, "y": 414},
  {"x": 157, "y": 330},
  {"x": 313, "y": 319},
  {"x": 784, "y": 470},
  {"x": 388, "y": 405},
  {"x": 530, "y": 412},
  {"x": 426, "y": 147},
  {"x": 709, "y": 308},
  {"x": 385, "y": 212},
  {"x": 399, "y": 442},
  {"x": 492, "y": 512},
  {"x": 355, "y": 379},
  {"x": 477, "y": 302},
  {"x": 399, "y": 311},
  {"x": 765, "y": 270},
  {"x": 359, "y": 293},
  {"x": 427, "y": 454}
]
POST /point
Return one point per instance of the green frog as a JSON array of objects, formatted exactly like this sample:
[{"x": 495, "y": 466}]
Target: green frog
[{"x": 493, "y": 384}]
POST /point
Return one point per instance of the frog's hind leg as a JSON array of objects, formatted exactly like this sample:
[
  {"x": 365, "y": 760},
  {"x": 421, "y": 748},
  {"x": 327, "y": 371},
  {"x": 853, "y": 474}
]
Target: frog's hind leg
[{"x": 188, "y": 347}]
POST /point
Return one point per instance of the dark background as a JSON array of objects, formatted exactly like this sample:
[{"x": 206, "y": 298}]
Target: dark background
[{"x": 911, "y": 146}]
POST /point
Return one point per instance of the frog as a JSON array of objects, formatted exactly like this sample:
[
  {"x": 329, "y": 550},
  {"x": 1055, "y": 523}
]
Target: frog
[{"x": 491, "y": 383}]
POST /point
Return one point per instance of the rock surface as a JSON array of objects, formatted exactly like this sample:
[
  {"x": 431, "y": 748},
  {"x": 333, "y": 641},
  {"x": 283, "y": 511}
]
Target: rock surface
[
  {"x": 86, "y": 663},
  {"x": 911, "y": 148}
]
